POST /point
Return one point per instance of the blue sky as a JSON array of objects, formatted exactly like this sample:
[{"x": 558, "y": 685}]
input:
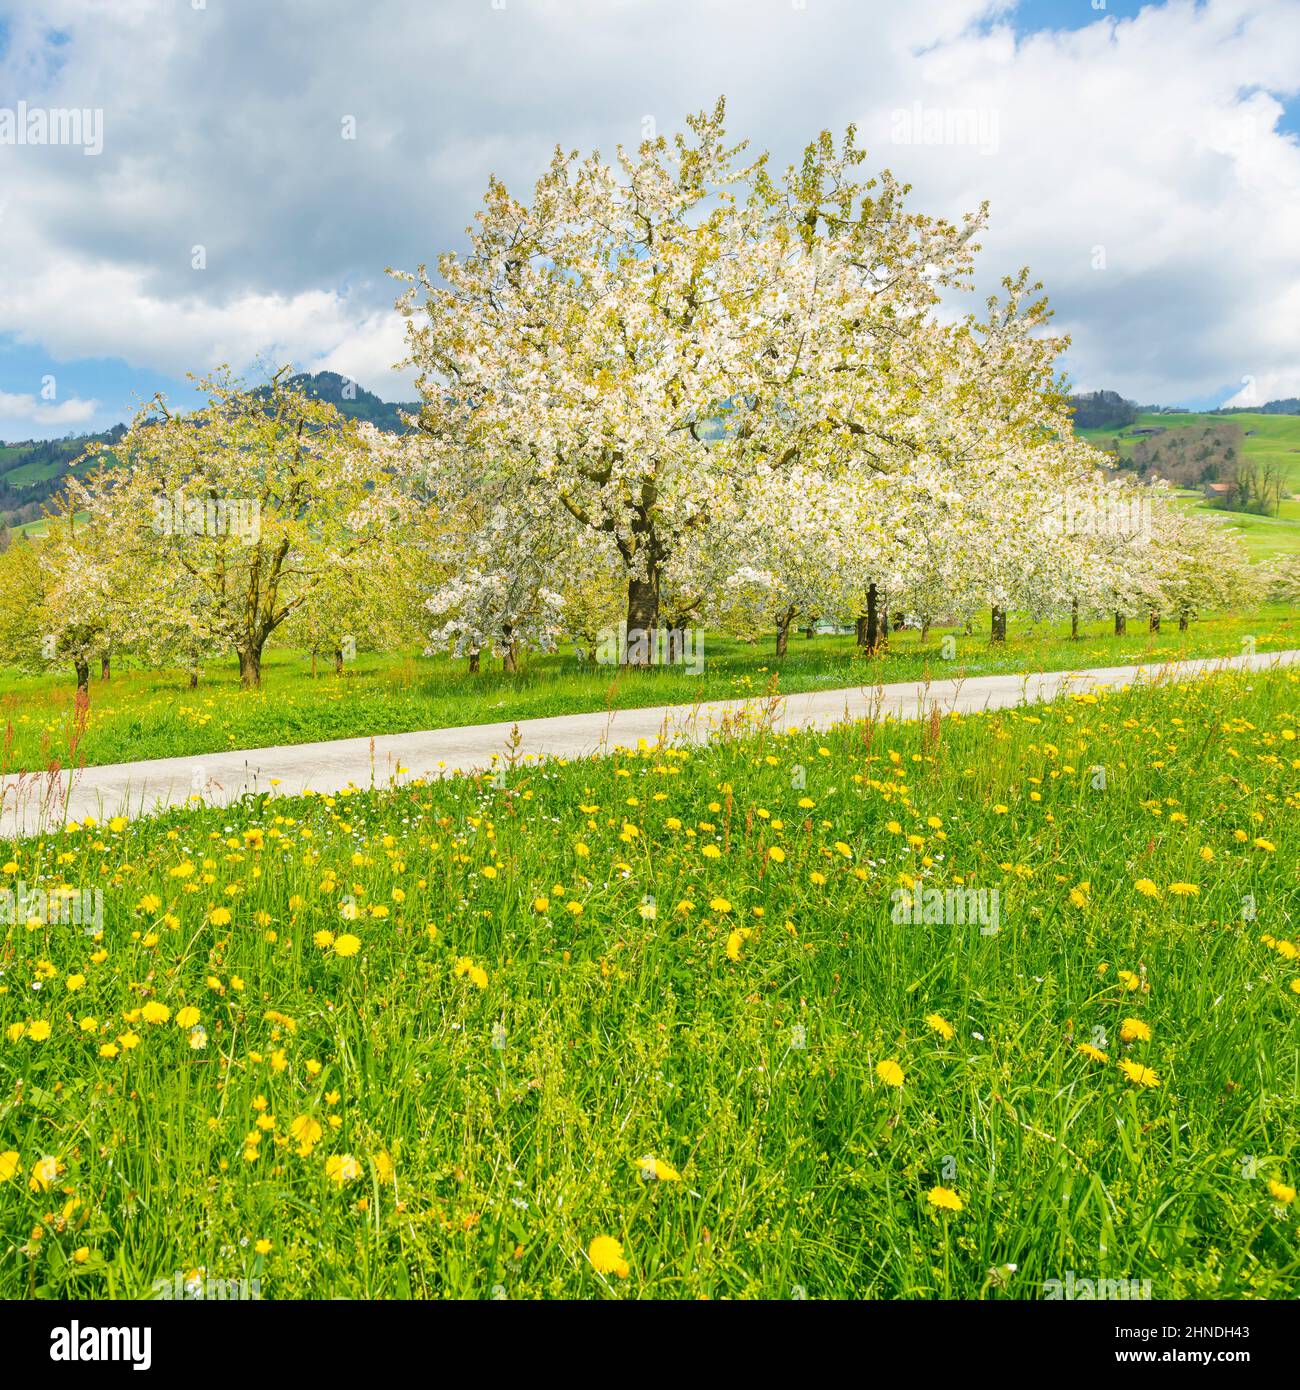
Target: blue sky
[{"x": 1144, "y": 161}]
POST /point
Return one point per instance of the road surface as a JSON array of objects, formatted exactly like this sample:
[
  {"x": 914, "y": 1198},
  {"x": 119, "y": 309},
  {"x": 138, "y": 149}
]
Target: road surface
[{"x": 32, "y": 803}]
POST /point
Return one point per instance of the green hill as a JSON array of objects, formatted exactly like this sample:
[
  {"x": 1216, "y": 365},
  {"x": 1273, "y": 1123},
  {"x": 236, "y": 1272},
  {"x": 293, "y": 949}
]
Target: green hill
[
  {"x": 31, "y": 471},
  {"x": 1267, "y": 438},
  {"x": 355, "y": 401}
]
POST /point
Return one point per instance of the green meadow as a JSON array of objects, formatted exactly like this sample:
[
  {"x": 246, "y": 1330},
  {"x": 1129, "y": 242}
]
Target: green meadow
[
  {"x": 1270, "y": 439},
  {"x": 152, "y": 714},
  {"x": 665, "y": 1024}
]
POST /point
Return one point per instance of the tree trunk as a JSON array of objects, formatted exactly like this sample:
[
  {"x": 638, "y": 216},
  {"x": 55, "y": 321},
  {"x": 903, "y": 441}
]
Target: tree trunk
[
  {"x": 1121, "y": 624},
  {"x": 1074, "y": 620},
  {"x": 899, "y": 615},
  {"x": 809, "y": 631},
  {"x": 872, "y": 620},
  {"x": 473, "y": 663},
  {"x": 642, "y": 619},
  {"x": 250, "y": 667},
  {"x": 1155, "y": 621},
  {"x": 861, "y": 627},
  {"x": 82, "y": 667},
  {"x": 783, "y": 625},
  {"x": 105, "y": 667},
  {"x": 313, "y": 663},
  {"x": 338, "y": 661},
  {"x": 925, "y": 630},
  {"x": 998, "y": 631},
  {"x": 1182, "y": 621},
  {"x": 194, "y": 677},
  {"x": 510, "y": 659}
]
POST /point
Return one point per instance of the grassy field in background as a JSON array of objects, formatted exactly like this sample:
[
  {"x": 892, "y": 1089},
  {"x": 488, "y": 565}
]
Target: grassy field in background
[
  {"x": 649, "y": 1026},
  {"x": 153, "y": 714},
  {"x": 1265, "y": 537},
  {"x": 1273, "y": 439},
  {"x": 1270, "y": 438}
]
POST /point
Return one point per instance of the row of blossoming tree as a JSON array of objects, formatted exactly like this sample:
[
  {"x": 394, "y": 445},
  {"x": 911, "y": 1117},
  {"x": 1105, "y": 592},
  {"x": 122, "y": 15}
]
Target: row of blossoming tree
[{"x": 673, "y": 390}]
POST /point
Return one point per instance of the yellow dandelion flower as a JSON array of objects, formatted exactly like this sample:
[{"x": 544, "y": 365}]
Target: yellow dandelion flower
[
  {"x": 890, "y": 1072},
  {"x": 45, "y": 1173},
  {"x": 306, "y": 1133},
  {"x": 656, "y": 1170},
  {"x": 606, "y": 1256},
  {"x": 477, "y": 975},
  {"x": 736, "y": 941},
  {"x": 342, "y": 1168}
]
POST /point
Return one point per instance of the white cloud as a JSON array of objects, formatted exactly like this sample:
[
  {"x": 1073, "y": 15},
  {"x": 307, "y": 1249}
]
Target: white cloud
[
  {"x": 1154, "y": 139},
  {"x": 26, "y": 408}
]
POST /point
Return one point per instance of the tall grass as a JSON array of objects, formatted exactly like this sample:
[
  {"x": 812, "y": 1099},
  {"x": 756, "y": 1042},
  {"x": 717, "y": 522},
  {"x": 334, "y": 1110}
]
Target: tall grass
[{"x": 441, "y": 1030}]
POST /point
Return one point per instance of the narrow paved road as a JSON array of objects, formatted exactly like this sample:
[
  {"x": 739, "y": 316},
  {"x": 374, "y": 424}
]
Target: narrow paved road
[{"x": 30, "y": 804}]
